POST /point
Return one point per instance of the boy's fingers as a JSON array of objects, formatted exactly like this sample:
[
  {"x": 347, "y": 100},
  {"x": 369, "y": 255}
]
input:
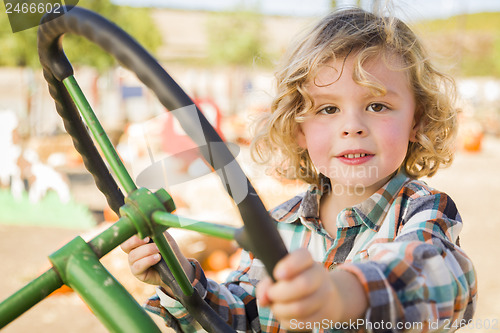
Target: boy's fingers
[
  {"x": 300, "y": 286},
  {"x": 262, "y": 290},
  {"x": 140, "y": 266},
  {"x": 142, "y": 252},
  {"x": 293, "y": 264},
  {"x": 132, "y": 243},
  {"x": 304, "y": 310}
]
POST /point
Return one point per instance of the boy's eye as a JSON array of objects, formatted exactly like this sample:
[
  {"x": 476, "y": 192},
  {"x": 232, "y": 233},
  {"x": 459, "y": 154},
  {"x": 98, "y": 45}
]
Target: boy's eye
[
  {"x": 376, "y": 107},
  {"x": 328, "y": 110}
]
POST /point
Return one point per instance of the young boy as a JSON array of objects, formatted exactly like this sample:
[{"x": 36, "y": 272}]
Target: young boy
[{"x": 360, "y": 114}]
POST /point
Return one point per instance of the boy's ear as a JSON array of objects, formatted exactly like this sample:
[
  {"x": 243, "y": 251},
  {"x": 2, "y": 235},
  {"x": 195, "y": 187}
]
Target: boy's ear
[{"x": 301, "y": 138}]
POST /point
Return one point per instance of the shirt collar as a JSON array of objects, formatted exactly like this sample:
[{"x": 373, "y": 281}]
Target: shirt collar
[{"x": 371, "y": 212}]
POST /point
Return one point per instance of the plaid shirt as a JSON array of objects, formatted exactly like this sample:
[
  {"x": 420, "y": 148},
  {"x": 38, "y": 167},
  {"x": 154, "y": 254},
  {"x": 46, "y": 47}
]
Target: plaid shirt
[{"x": 401, "y": 243}]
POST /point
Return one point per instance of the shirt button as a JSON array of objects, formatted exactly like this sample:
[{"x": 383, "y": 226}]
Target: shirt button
[{"x": 333, "y": 265}]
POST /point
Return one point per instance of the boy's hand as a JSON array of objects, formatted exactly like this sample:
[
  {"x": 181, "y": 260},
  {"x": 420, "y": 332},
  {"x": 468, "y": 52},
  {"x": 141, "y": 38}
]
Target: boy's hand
[
  {"x": 142, "y": 255},
  {"x": 305, "y": 291}
]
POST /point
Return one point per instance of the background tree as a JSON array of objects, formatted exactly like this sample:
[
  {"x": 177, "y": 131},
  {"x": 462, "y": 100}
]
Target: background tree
[
  {"x": 19, "y": 49},
  {"x": 236, "y": 38},
  {"x": 468, "y": 44}
]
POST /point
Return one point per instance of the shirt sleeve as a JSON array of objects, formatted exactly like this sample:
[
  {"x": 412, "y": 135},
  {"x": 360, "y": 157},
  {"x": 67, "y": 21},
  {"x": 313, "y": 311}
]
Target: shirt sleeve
[
  {"x": 419, "y": 281},
  {"x": 233, "y": 300}
]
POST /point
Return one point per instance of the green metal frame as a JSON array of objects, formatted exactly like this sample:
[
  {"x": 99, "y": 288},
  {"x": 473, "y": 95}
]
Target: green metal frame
[{"x": 77, "y": 263}]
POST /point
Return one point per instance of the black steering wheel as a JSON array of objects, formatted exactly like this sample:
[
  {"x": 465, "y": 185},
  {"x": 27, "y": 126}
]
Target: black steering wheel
[{"x": 260, "y": 234}]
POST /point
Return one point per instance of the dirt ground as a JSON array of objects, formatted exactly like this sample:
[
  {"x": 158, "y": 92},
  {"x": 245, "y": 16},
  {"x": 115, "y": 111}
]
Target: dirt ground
[
  {"x": 473, "y": 182},
  {"x": 24, "y": 252}
]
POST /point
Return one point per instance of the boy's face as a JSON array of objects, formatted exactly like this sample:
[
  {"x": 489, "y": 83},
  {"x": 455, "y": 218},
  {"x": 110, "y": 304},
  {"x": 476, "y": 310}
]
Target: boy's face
[{"x": 354, "y": 136}]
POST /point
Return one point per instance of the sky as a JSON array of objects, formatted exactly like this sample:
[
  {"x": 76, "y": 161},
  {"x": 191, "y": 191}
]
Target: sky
[{"x": 407, "y": 9}]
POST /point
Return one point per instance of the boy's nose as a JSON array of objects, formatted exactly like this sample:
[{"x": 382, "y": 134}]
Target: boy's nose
[
  {"x": 353, "y": 126},
  {"x": 353, "y": 132}
]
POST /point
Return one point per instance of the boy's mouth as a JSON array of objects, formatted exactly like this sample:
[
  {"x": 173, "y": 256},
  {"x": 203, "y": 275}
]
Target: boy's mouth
[
  {"x": 354, "y": 157},
  {"x": 356, "y": 153}
]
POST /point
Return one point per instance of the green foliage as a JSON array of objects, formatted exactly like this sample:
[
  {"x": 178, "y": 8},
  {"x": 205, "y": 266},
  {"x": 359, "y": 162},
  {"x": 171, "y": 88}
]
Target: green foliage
[
  {"x": 471, "y": 22},
  {"x": 236, "y": 38},
  {"x": 19, "y": 49},
  {"x": 49, "y": 211},
  {"x": 471, "y": 41}
]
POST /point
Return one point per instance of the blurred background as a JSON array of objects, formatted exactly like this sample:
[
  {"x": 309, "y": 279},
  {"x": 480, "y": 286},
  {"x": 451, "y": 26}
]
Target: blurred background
[{"x": 223, "y": 54}]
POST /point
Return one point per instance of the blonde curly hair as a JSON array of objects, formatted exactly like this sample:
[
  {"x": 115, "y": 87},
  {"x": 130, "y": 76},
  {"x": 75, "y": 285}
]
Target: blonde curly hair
[{"x": 369, "y": 35}]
